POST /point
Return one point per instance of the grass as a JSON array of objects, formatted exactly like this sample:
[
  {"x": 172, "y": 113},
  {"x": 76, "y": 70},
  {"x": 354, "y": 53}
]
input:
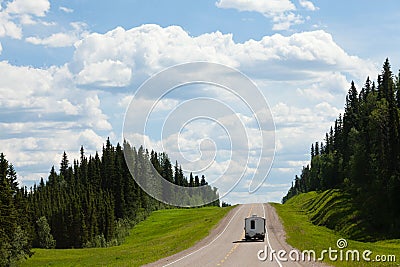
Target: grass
[
  {"x": 336, "y": 210},
  {"x": 163, "y": 233},
  {"x": 297, "y": 215}
]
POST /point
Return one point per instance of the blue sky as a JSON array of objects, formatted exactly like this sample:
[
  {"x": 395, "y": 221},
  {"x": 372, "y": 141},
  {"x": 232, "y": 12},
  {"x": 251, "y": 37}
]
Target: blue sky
[{"x": 70, "y": 68}]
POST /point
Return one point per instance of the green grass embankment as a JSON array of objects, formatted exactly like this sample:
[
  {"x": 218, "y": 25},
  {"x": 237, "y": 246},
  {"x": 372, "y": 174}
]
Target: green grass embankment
[
  {"x": 306, "y": 217},
  {"x": 163, "y": 233}
]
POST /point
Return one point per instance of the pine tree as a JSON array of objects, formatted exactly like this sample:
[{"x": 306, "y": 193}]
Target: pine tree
[
  {"x": 191, "y": 180},
  {"x": 64, "y": 165},
  {"x": 203, "y": 181},
  {"x": 46, "y": 239},
  {"x": 15, "y": 243},
  {"x": 312, "y": 151}
]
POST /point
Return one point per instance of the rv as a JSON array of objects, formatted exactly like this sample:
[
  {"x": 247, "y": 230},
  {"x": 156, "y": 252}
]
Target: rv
[{"x": 254, "y": 228}]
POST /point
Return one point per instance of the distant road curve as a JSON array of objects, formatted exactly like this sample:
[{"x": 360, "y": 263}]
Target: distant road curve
[{"x": 225, "y": 246}]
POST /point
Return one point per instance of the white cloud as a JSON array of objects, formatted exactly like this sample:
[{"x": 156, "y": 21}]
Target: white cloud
[
  {"x": 284, "y": 21},
  {"x": 308, "y": 5},
  {"x": 91, "y": 140},
  {"x": 144, "y": 50},
  {"x": 259, "y": 197},
  {"x": 262, "y": 6},
  {"x": 125, "y": 100},
  {"x": 66, "y": 9},
  {"x": 37, "y": 7},
  {"x": 281, "y": 12},
  {"x": 27, "y": 19},
  {"x": 49, "y": 115},
  {"x": 34, "y": 156},
  {"x": 68, "y": 108},
  {"x": 309, "y": 66},
  {"x": 105, "y": 73},
  {"x": 20, "y": 83},
  {"x": 304, "y": 76},
  {"x": 20, "y": 12},
  {"x": 325, "y": 110},
  {"x": 105, "y": 59},
  {"x": 93, "y": 110},
  {"x": 8, "y": 27},
  {"x": 327, "y": 87},
  {"x": 61, "y": 39},
  {"x": 304, "y": 117},
  {"x": 298, "y": 163},
  {"x": 40, "y": 93},
  {"x": 54, "y": 40}
]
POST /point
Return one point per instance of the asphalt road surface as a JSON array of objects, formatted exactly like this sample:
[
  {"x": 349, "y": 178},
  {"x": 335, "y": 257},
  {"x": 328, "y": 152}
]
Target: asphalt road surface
[{"x": 226, "y": 246}]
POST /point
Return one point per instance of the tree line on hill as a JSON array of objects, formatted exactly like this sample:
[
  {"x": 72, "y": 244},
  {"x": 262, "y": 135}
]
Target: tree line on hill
[
  {"x": 361, "y": 155},
  {"x": 92, "y": 202}
]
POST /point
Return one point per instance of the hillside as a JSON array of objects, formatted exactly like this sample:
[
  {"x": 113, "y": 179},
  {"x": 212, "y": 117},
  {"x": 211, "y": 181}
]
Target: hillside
[
  {"x": 335, "y": 210},
  {"x": 317, "y": 220},
  {"x": 360, "y": 156},
  {"x": 163, "y": 233}
]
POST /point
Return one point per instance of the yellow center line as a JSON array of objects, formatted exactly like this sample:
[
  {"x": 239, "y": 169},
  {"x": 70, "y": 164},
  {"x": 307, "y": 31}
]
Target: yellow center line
[{"x": 237, "y": 244}]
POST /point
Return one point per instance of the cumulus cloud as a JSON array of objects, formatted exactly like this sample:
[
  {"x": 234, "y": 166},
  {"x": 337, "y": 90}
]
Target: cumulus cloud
[
  {"x": 291, "y": 115},
  {"x": 61, "y": 39},
  {"x": 43, "y": 114},
  {"x": 93, "y": 110},
  {"x": 105, "y": 73},
  {"x": 42, "y": 93},
  {"x": 34, "y": 155},
  {"x": 309, "y": 66},
  {"x": 144, "y": 50},
  {"x": 54, "y": 40},
  {"x": 327, "y": 87},
  {"x": 8, "y": 27},
  {"x": 262, "y": 6},
  {"x": 20, "y": 12},
  {"x": 37, "y": 7},
  {"x": 284, "y": 21},
  {"x": 66, "y": 9},
  {"x": 304, "y": 76},
  {"x": 308, "y": 5},
  {"x": 281, "y": 12},
  {"x": 107, "y": 58}
]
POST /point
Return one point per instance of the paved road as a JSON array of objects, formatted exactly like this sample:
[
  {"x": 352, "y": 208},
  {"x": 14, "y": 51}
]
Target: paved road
[{"x": 226, "y": 245}]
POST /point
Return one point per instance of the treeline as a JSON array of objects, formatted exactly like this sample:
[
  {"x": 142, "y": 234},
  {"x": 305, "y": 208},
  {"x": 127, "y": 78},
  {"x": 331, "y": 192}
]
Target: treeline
[
  {"x": 361, "y": 155},
  {"x": 90, "y": 202},
  {"x": 15, "y": 223}
]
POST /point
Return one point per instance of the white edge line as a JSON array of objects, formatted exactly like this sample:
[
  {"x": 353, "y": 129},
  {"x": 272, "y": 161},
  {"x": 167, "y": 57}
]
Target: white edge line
[
  {"x": 269, "y": 244},
  {"x": 208, "y": 243}
]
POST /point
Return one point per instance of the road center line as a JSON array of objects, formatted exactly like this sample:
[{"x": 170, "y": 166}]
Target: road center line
[
  {"x": 208, "y": 243},
  {"x": 237, "y": 244}
]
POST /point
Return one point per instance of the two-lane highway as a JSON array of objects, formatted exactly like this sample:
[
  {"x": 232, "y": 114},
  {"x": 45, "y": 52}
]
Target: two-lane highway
[{"x": 227, "y": 247}]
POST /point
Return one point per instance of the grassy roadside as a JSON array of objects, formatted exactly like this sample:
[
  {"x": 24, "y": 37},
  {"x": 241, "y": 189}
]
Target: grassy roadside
[
  {"x": 163, "y": 233},
  {"x": 304, "y": 235}
]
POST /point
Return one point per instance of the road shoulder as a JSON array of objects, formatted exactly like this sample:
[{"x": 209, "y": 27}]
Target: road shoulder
[{"x": 217, "y": 230}]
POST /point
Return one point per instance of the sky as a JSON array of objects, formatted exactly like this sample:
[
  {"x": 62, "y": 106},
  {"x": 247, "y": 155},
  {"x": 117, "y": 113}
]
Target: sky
[{"x": 69, "y": 70}]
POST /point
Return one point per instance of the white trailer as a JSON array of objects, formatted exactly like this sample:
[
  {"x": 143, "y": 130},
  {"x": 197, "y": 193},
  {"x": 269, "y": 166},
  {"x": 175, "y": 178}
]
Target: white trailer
[{"x": 254, "y": 228}]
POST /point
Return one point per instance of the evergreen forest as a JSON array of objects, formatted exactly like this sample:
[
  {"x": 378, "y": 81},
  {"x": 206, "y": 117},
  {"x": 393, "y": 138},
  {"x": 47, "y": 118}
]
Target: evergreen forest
[
  {"x": 92, "y": 201},
  {"x": 360, "y": 156}
]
